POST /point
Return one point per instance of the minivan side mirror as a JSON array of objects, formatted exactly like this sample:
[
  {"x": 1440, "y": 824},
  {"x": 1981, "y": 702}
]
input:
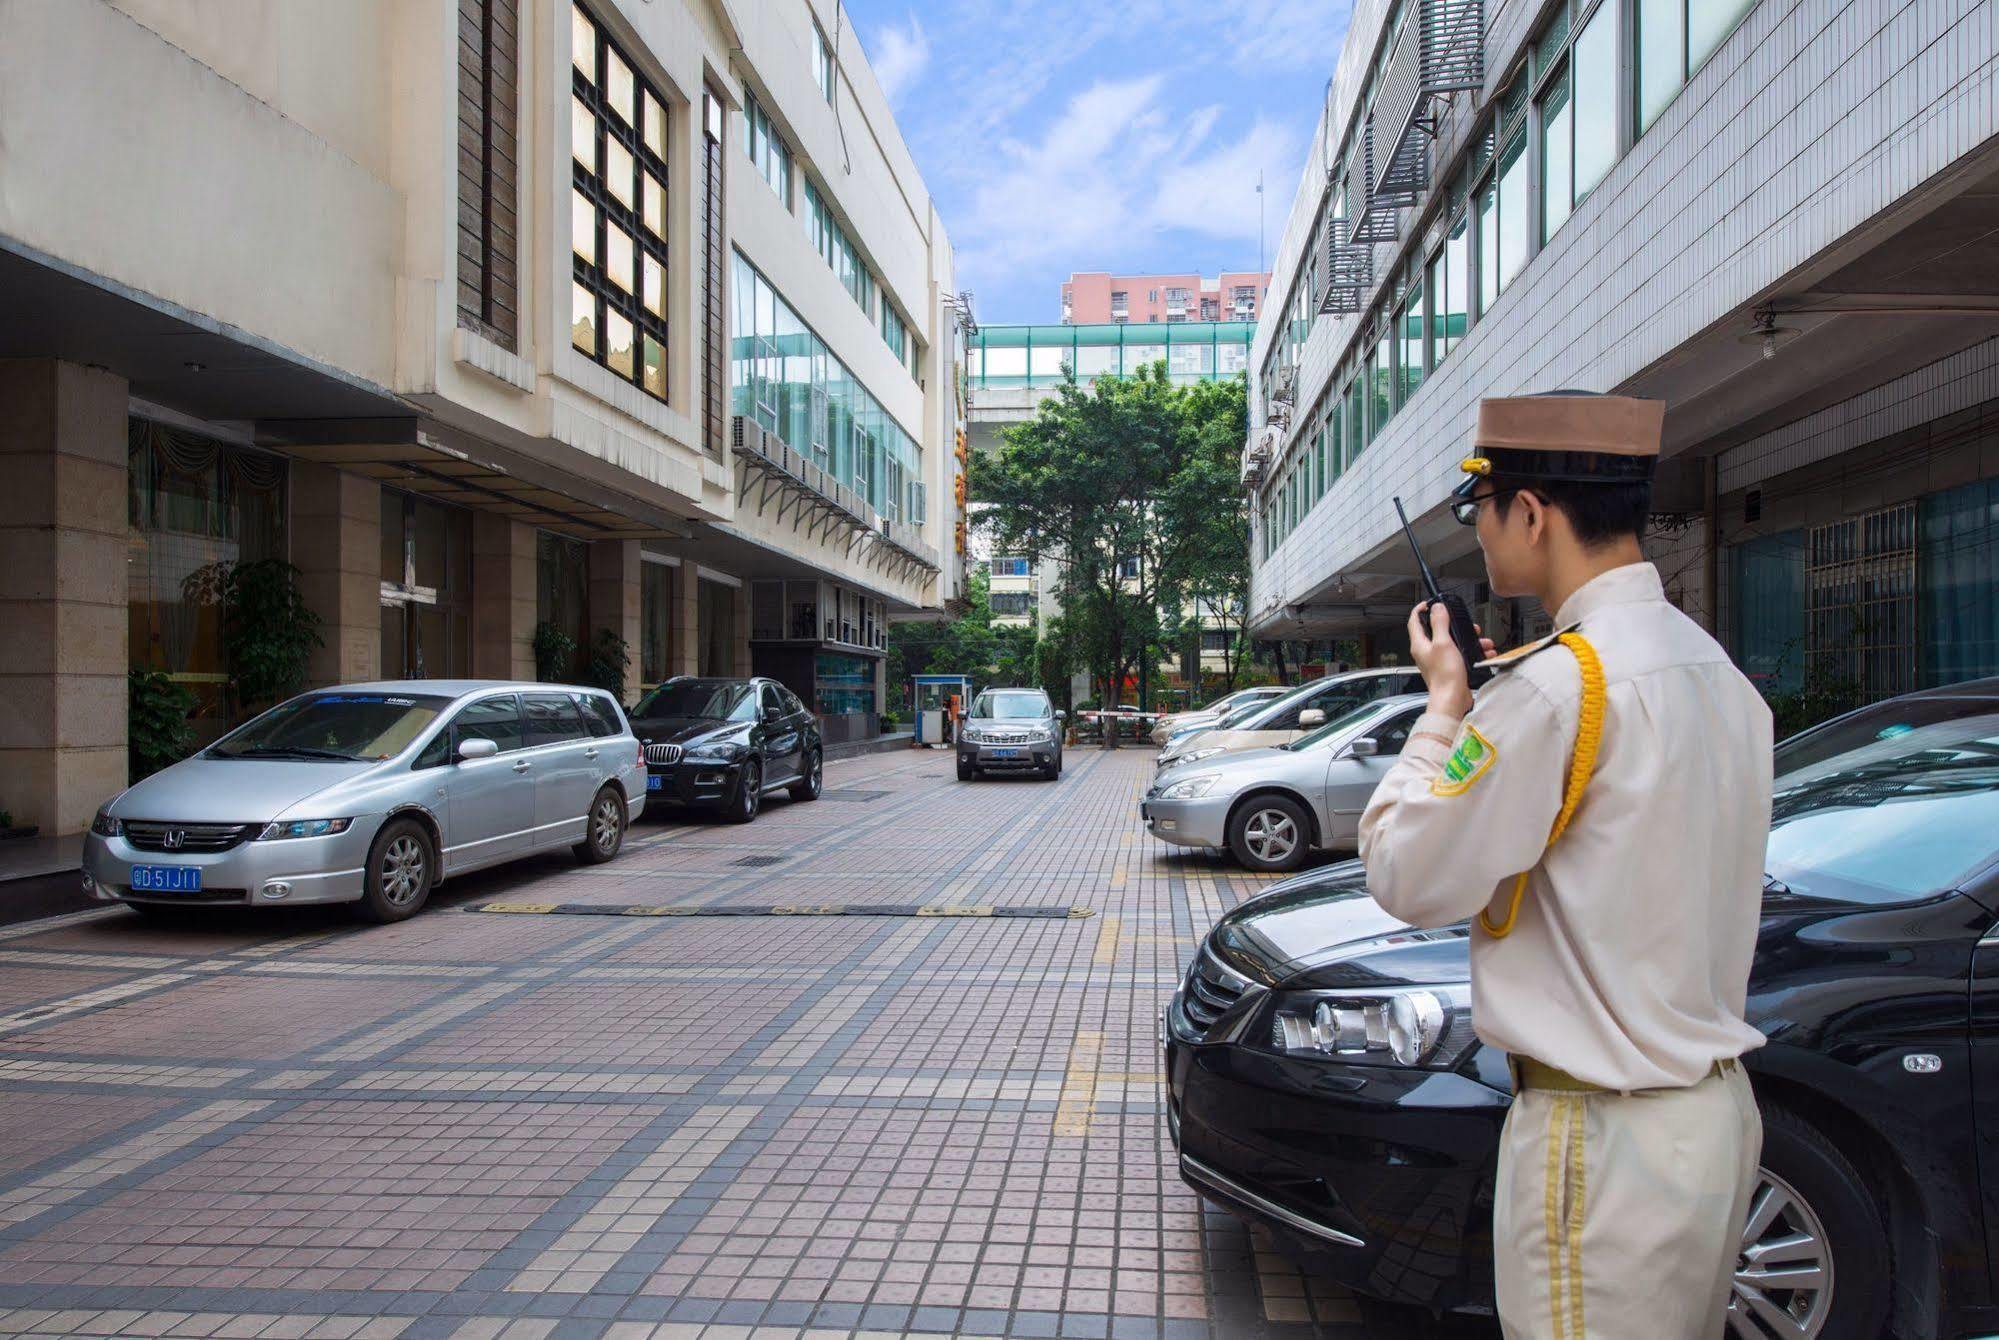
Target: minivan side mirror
[
  {"x": 1365, "y": 747},
  {"x": 1310, "y": 718},
  {"x": 477, "y": 748}
]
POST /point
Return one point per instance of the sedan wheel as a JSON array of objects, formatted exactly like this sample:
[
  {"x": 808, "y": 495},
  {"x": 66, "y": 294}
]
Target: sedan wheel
[
  {"x": 1269, "y": 833},
  {"x": 1784, "y": 1277}
]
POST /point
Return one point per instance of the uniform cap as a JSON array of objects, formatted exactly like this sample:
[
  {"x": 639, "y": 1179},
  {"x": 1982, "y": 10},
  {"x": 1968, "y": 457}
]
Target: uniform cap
[{"x": 1571, "y": 421}]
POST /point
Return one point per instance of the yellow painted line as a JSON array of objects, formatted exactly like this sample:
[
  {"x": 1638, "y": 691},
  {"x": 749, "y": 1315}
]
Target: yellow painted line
[
  {"x": 1107, "y": 939},
  {"x": 1079, "y": 1086},
  {"x": 531, "y": 909}
]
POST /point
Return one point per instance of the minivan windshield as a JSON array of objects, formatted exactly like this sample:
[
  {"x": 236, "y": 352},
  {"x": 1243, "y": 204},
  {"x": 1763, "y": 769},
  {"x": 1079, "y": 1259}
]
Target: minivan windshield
[
  {"x": 1011, "y": 706},
  {"x": 339, "y": 727},
  {"x": 721, "y": 699},
  {"x": 1897, "y": 802}
]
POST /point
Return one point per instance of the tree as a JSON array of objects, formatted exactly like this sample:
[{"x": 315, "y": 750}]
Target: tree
[
  {"x": 1084, "y": 484},
  {"x": 1001, "y": 656},
  {"x": 1205, "y": 513}
]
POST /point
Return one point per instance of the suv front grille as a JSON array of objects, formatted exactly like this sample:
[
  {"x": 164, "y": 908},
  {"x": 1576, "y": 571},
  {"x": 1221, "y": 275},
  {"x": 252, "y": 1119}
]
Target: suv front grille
[
  {"x": 147, "y": 835},
  {"x": 986, "y": 735},
  {"x": 662, "y": 753},
  {"x": 1211, "y": 990}
]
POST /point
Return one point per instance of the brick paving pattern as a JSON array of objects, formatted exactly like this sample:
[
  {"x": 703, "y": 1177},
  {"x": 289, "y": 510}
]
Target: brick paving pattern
[{"x": 716, "y": 1128}]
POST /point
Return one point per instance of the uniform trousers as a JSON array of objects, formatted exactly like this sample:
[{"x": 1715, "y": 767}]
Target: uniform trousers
[{"x": 1620, "y": 1214}]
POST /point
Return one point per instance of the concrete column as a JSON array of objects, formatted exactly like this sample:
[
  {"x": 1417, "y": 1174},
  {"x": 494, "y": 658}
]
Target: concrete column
[
  {"x": 686, "y": 655},
  {"x": 503, "y": 597},
  {"x": 742, "y": 648},
  {"x": 63, "y": 595},
  {"x": 336, "y": 522},
  {"x": 614, "y": 599}
]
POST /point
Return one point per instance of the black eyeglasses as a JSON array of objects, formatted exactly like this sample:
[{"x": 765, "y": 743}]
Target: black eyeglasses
[{"x": 1466, "y": 509}]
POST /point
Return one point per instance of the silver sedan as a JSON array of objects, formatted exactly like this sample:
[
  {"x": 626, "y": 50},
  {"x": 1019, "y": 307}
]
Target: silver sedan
[
  {"x": 1273, "y": 807},
  {"x": 372, "y": 794}
]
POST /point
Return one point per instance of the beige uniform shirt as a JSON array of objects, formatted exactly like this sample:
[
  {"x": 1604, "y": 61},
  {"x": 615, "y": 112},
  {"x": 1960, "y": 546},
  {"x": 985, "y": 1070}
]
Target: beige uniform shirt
[{"x": 1629, "y": 963}]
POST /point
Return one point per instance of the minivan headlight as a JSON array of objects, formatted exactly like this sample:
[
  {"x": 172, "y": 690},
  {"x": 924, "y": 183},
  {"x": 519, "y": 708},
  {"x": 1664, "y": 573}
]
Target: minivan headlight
[
  {"x": 106, "y": 826},
  {"x": 1414, "y": 1027},
  {"x": 302, "y": 828}
]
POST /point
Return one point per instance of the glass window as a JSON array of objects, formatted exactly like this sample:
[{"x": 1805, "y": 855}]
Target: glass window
[
  {"x": 1595, "y": 90},
  {"x": 1488, "y": 245},
  {"x": 1410, "y": 323},
  {"x": 718, "y": 699},
  {"x": 496, "y": 719},
  {"x": 1709, "y": 22},
  {"x": 1381, "y": 376},
  {"x": 337, "y": 727},
  {"x": 822, "y": 63},
  {"x": 1769, "y": 591},
  {"x": 1558, "y": 174},
  {"x": 1958, "y": 566},
  {"x": 766, "y": 149},
  {"x": 617, "y": 213},
  {"x": 1662, "y": 56},
  {"x": 600, "y": 716},
  {"x": 1512, "y": 210},
  {"x": 552, "y": 718}
]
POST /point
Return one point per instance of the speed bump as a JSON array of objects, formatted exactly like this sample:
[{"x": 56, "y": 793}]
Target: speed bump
[{"x": 781, "y": 910}]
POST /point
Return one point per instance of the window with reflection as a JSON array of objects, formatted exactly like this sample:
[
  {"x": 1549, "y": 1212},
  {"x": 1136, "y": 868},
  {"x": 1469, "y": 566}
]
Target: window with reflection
[
  {"x": 1674, "y": 39},
  {"x": 617, "y": 127}
]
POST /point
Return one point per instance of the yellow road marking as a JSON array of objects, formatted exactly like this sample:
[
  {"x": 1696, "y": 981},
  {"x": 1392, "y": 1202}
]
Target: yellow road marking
[{"x": 1079, "y": 1085}]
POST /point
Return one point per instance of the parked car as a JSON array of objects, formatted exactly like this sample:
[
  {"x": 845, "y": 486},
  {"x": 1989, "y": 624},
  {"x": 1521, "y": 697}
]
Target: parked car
[
  {"x": 1010, "y": 730},
  {"x": 1214, "y": 711},
  {"x": 1273, "y": 807},
  {"x": 1876, "y": 981},
  {"x": 372, "y": 794},
  {"x": 1305, "y": 708},
  {"x": 725, "y": 744}
]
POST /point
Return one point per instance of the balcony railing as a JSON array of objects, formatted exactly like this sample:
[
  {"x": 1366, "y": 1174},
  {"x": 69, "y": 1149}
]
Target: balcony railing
[
  {"x": 1439, "y": 51},
  {"x": 1349, "y": 271}
]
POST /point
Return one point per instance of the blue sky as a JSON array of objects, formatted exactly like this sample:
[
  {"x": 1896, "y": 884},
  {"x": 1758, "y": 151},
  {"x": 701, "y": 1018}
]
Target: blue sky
[{"x": 1062, "y": 135}]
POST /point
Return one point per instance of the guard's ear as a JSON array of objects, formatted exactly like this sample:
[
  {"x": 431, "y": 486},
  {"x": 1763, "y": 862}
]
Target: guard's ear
[{"x": 1533, "y": 514}]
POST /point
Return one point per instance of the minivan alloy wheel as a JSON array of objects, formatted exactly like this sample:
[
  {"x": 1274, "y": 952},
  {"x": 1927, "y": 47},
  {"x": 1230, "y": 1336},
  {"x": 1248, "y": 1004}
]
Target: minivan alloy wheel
[
  {"x": 402, "y": 870},
  {"x": 1783, "y": 1284},
  {"x": 605, "y": 821}
]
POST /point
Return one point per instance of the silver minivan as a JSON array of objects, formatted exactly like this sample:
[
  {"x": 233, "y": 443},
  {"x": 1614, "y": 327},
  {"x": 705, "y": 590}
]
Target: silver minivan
[{"x": 372, "y": 794}]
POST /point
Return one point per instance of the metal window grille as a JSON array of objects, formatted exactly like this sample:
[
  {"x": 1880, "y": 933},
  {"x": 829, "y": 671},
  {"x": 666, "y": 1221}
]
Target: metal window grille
[
  {"x": 1860, "y": 603},
  {"x": 1349, "y": 271}
]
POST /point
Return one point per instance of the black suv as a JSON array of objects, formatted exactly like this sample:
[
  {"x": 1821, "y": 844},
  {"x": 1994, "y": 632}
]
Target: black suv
[
  {"x": 1876, "y": 980},
  {"x": 727, "y": 743}
]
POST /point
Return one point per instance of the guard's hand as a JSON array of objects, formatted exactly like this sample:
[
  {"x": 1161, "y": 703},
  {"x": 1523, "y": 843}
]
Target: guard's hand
[{"x": 1445, "y": 673}]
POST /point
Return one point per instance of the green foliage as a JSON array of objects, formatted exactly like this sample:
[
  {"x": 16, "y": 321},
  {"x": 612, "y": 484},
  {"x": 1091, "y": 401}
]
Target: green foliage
[
  {"x": 994, "y": 656},
  {"x": 610, "y": 657},
  {"x": 1130, "y": 488},
  {"x": 6, "y": 819},
  {"x": 268, "y": 631},
  {"x": 554, "y": 653},
  {"x": 1821, "y": 698},
  {"x": 157, "y": 731}
]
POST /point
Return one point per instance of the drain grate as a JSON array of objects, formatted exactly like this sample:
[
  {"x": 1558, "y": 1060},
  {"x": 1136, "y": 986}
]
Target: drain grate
[
  {"x": 761, "y": 860},
  {"x": 848, "y": 794}
]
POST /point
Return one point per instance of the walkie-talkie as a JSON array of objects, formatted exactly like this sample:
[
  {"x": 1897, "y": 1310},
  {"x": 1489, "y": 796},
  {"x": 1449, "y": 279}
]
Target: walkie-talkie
[{"x": 1463, "y": 635}]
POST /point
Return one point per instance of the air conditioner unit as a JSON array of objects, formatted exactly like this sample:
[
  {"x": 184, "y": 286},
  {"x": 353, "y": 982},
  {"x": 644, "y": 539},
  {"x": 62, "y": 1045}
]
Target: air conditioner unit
[
  {"x": 746, "y": 434},
  {"x": 1284, "y": 387},
  {"x": 1257, "y": 454}
]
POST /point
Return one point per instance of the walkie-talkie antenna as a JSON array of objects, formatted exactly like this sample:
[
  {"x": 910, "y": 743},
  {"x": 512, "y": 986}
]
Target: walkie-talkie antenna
[{"x": 1429, "y": 578}]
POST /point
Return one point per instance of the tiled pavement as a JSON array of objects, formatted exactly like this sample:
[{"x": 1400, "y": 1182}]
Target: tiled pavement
[{"x": 486, "y": 1125}]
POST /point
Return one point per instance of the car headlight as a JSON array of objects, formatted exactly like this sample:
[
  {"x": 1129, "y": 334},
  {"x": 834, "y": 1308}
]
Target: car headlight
[
  {"x": 714, "y": 753},
  {"x": 106, "y": 826},
  {"x": 1191, "y": 788},
  {"x": 1196, "y": 755},
  {"x": 302, "y": 828},
  {"x": 1416, "y": 1027}
]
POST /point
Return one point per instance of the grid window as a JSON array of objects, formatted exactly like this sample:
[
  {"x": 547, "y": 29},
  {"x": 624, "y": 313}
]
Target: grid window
[
  {"x": 822, "y": 63},
  {"x": 618, "y": 252},
  {"x": 1675, "y": 38},
  {"x": 1009, "y": 567},
  {"x": 766, "y": 149},
  {"x": 895, "y": 333}
]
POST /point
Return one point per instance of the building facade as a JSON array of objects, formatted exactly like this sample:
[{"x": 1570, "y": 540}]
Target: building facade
[
  {"x": 1779, "y": 219},
  {"x": 1098, "y": 298},
  {"x": 527, "y": 331}
]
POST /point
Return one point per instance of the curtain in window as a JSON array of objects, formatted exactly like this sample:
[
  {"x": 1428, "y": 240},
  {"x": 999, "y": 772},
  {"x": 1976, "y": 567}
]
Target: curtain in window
[
  {"x": 1958, "y": 576},
  {"x": 1770, "y": 609}
]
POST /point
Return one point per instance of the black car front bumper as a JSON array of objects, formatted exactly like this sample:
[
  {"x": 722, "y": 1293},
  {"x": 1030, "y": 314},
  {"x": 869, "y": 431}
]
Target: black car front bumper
[
  {"x": 1382, "y": 1177},
  {"x": 694, "y": 784}
]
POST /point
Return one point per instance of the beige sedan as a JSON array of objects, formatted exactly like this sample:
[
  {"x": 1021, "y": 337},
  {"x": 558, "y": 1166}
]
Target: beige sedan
[{"x": 1304, "y": 709}]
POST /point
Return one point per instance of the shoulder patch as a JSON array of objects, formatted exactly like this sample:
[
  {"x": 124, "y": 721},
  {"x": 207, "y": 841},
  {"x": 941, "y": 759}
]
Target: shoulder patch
[
  {"x": 1469, "y": 761},
  {"x": 1506, "y": 660}
]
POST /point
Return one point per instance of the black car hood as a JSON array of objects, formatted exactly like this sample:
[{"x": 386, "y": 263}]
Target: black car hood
[
  {"x": 685, "y": 730},
  {"x": 1323, "y": 931}
]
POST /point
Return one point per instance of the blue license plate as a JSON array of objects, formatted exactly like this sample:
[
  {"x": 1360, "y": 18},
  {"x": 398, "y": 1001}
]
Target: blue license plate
[
  {"x": 1004, "y": 753},
  {"x": 655, "y": 782},
  {"x": 166, "y": 879}
]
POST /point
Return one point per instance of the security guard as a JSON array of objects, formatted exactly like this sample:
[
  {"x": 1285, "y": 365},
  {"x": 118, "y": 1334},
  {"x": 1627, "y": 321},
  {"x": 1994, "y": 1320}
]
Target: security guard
[{"x": 1602, "y": 809}]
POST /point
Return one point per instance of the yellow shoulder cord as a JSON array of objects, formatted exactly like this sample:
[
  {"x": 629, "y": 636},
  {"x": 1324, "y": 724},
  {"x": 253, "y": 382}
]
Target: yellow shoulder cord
[{"x": 1589, "y": 734}]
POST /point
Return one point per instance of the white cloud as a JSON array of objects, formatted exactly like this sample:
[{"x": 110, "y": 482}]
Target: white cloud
[
  {"x": 1126, "y": 159},
  {"x": 899, "y": 56},
  {"x": 1287, "y": 34}
]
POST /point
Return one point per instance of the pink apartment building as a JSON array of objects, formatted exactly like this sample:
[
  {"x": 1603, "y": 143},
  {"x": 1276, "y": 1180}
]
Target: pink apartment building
[{"x": 1097, "y": 297}]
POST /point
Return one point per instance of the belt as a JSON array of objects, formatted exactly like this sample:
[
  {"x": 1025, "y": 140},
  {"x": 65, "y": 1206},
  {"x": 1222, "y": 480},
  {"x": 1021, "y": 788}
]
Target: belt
[{"x": 1529, "y": 1073}]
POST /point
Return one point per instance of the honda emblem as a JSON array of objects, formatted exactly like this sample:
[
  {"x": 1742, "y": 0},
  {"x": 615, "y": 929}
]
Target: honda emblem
[{"x": 172, "y": 838}]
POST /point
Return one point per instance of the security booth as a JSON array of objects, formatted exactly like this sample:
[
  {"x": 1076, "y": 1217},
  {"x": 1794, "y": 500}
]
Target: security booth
[{"x": 930, "y": 696}]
